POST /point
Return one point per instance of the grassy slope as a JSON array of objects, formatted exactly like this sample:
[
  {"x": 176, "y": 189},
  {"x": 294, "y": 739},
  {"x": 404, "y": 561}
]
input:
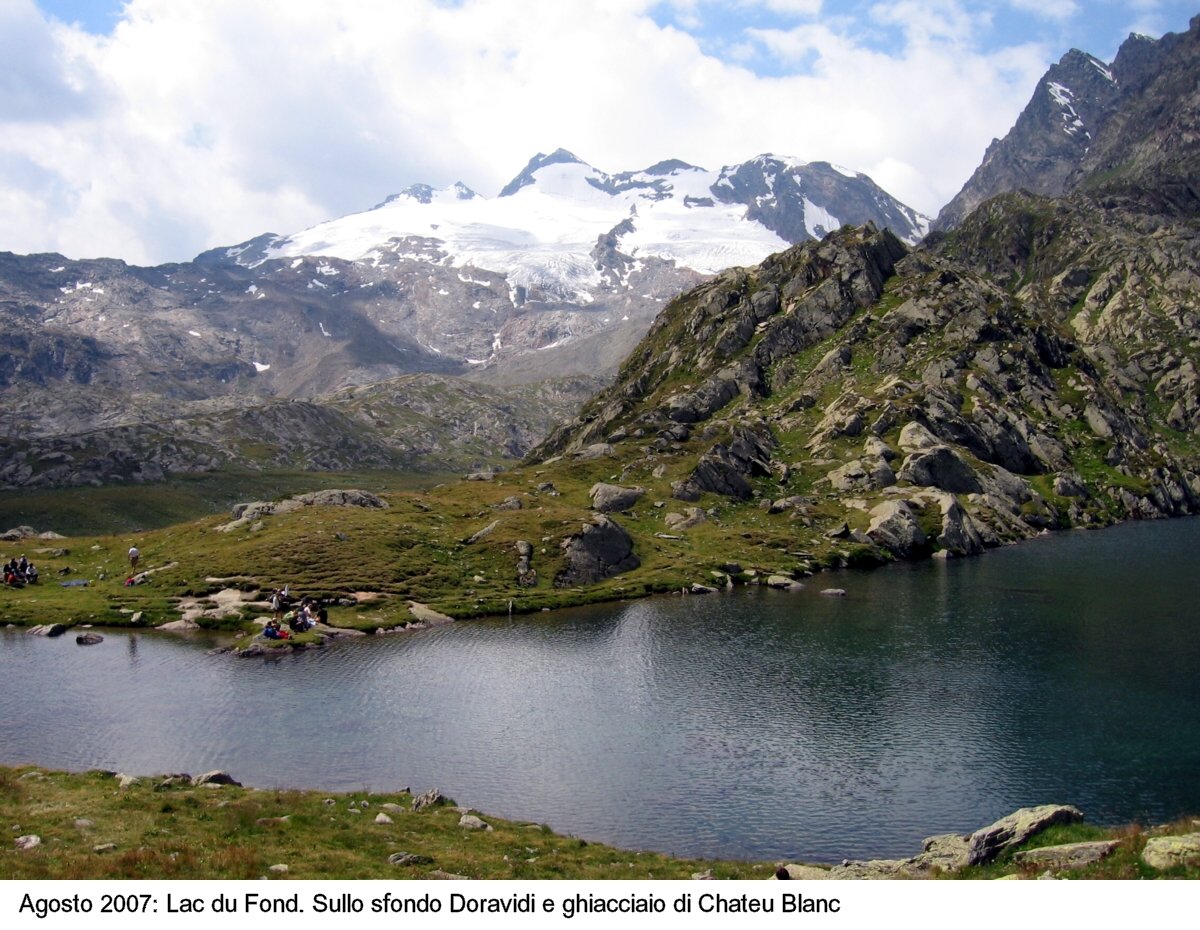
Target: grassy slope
[
  {"x": 413, "y": 550},
  {"x": 238, "y": 833}
]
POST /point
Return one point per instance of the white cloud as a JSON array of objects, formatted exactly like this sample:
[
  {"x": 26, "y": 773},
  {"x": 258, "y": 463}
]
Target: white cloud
[
  {"x": 1048, "y": 9},
  {"x": 195, "y": 125}
]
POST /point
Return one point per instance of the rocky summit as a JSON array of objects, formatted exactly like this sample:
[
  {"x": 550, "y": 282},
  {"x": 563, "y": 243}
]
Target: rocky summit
[{"x": 1091, "y": 124}]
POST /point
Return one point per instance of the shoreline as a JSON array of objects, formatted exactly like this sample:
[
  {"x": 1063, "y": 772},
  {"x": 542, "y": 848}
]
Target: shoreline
[{"x": 75, "y": 825}]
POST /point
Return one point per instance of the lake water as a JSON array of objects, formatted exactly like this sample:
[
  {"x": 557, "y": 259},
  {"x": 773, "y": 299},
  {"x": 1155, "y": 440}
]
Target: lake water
[{"x": 932, "y": 698}]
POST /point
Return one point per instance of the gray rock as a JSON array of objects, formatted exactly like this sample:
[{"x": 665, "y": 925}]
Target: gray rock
[
  {"x": 427, "y": 615},
  {"x": 1069, "y": 484},
  {"x": 988, "y": 842},
  {"x": 89, "y": 639},
  {"x": 959, "y": 535},
  {"x": 1166, "y": 852},
  {"x": 482, "y": 534},
  {"x": 796, "y": 871},
  {"x": 28, "y": 841},
  {"x": 47, "y": 629},
  {"x": 215, "y": 777},
  {"x": 612, "y": 498},
  {"x": 692, "y": 516},
  {"x": 1068, "y": 855},
  {"x": 894, "y": 526},
  {"x": 600, "y": 550},
  {"x": 407, "y": 858},
  {"x": 595, "y": 451},
  {"x": 509, "y": 503},
  {"x": 947, "y": 852},
  {"x": 431, "y": 798},
  {"x": 382, "y": 818},
  {"x": 915, "y": 437},
  {"x": 471, "y": 822},
  {"x": 940, "y": 467},
  {"x": 783, "y": 582}
]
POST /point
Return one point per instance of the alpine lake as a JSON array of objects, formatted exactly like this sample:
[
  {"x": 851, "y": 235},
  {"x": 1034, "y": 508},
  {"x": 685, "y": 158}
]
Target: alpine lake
[{"x": 932, "y": 697}]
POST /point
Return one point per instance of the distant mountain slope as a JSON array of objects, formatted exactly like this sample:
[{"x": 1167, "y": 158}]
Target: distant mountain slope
[
  {"x": 1099, "y": 124},
  {"x": 556, "y": 278},
  {"x": 558, "y": 228}
]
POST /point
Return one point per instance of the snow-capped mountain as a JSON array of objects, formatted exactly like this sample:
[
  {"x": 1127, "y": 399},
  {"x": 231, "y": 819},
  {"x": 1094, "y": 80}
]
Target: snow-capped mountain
[
  {"x": 544, "y": 229},
  {"x": 559, "y": 275}
]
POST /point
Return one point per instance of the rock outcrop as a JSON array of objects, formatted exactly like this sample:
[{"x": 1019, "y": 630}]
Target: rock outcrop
[{"x": 600, "y": 550}]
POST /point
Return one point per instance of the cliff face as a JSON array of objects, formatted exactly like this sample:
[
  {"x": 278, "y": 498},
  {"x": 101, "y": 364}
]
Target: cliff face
[{"x": 1092, "y": 125}]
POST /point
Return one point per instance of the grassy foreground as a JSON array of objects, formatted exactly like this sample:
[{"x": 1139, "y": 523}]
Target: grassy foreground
[
  {"x": 183, "y": 832},
  {"x": 91, "y": 828}
]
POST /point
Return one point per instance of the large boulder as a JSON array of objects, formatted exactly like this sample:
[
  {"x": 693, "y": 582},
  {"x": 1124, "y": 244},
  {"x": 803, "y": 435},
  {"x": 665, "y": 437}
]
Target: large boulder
[
  {"x": 940, "y": 467},
  {"x": 611, "y": 498},
  {"x": 960, "y": 535},
  {"x": 1165, "y": 852},
  {"x": 215, "y": 777},
  {"x": 600, "y": 550},
  {"x": 987, "y": 843},
  {"x": 915, "y": 437},
  {"x": 894, "y": 526}
]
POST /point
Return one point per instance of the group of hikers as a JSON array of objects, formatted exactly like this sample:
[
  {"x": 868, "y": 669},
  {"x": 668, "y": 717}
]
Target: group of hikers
[
  {"x": 19, "y": 572},
  {"x": 298, "y": 617}
]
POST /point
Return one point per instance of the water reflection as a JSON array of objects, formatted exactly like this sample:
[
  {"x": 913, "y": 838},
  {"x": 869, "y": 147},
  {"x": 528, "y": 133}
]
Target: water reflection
[{"x": 768, "y": 725}]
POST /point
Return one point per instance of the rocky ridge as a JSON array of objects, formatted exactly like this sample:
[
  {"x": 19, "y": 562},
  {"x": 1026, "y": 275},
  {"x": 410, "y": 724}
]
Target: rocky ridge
[
  {"x": 413, "y": 423},
  {"x": 1089, "y": 124},
  {"x": 941, "y": 400}
]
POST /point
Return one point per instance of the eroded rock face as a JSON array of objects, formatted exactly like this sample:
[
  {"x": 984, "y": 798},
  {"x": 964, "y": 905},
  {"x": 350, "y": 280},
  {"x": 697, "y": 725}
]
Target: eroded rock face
[
  {"x": 960, "y": 535},
  {"x": 727, "y": 469},
  {"x": 894, "y": 526},
  {"x": 988, "y": 842},
  {"x": 600, "y": 550},
  {"x": 940, "y": 467}
]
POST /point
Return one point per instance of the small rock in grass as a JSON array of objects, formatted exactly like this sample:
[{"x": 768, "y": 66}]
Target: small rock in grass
[{"x": 407, "y": 858}]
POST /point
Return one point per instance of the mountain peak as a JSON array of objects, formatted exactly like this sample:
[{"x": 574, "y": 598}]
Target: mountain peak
[
  {"x": 668, "y": 167},
  {"x": 541, "y": 160},
  {"x": 427, "y": 194}
]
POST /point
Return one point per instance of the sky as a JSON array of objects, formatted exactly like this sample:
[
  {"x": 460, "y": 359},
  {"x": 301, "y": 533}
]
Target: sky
[{"x": 152, "y": 130}]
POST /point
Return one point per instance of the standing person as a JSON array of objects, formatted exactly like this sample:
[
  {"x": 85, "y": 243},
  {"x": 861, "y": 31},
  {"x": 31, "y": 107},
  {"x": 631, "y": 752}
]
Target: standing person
[{"x": 134, "y": 555}]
